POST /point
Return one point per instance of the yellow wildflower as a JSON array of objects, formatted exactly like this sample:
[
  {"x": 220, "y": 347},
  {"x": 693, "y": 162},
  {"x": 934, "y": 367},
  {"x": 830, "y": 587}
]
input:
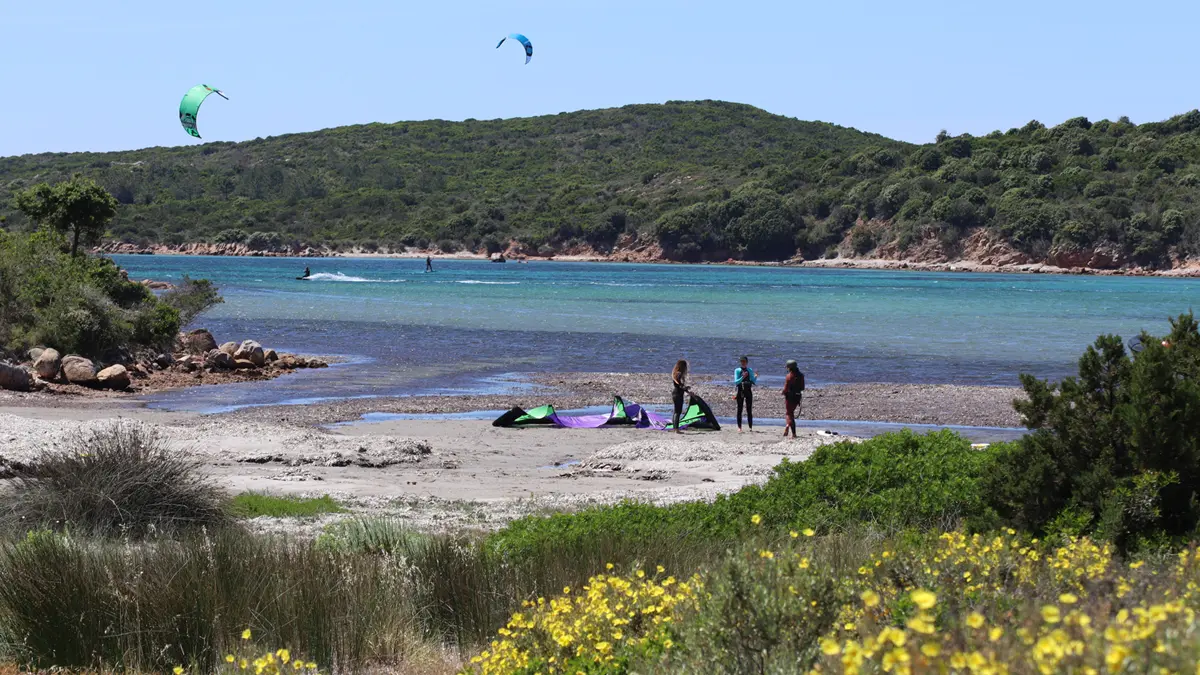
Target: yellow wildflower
[
  {"x": 923, "y": 599},
  {"x": 756, "y": 519},
  {"x": 1050, "y": 614},
  {"x": 975, "y": 620},
  {"x": 870, "y": 598}
]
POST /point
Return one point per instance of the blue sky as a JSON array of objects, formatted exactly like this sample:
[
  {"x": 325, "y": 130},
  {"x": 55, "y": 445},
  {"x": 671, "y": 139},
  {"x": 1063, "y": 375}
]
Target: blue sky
[{"x": 87, "y": 75}]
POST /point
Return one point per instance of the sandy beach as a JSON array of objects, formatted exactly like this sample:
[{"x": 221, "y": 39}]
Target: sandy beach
[
  {"x": 436, "y": 474},
  {"x": 464, "y": 473}
]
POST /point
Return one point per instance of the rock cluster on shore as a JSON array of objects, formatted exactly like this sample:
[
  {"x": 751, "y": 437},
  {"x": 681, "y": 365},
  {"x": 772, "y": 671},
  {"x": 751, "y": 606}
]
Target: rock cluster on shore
[{"x": 195, "y": 352}]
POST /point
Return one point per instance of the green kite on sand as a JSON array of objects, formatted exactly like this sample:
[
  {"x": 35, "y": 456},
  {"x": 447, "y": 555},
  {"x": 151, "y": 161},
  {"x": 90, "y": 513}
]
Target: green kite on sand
[{"x": 190, "y": 106}]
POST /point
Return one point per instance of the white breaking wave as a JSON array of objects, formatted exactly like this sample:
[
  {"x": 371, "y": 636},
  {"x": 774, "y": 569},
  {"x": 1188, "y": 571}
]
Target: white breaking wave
[
  {"x": 338, "y": 276},
  {"x": 488, "y": 283}
]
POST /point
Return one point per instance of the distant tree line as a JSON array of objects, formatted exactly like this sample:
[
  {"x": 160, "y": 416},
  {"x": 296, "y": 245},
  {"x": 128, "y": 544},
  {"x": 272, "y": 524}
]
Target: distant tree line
[{"x": 703, "y": 180}]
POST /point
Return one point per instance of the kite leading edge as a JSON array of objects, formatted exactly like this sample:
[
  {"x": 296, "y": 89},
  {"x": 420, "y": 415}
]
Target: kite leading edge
[
  {"x": 524, "y": 41},
  {"x": 190, "y": 106}
]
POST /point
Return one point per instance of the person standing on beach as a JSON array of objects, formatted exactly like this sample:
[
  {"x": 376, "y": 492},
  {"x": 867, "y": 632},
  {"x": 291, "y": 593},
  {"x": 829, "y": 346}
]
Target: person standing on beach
[
  {"x": 428, "y": 263},
  {"x": 745, "y": 379},
  {"x": 679, "y": 387},
  {"x": 793, "y": 386}
]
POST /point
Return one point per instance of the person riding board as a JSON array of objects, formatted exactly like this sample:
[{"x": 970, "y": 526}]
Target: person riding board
[
  {"x": 428, "y": 263},
  {"x": 744, "y": 380},
  {"x": 793, "y": 387},
  {"x": 307, "y": 273}
]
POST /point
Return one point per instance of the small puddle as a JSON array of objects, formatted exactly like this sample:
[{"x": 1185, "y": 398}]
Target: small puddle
[{"x": 562, "y": 465}]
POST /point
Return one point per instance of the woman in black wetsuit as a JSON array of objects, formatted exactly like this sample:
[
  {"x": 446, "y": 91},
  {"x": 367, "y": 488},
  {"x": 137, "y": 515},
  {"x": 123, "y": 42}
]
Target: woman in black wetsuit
[{"x": 679, "y": 387}]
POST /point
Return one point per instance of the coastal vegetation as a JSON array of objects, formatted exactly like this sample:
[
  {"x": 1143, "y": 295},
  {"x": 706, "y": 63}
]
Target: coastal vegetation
[
  {"x": 902, "y": 553},
  {"x": 55, "y": 295},
  {"x": 684, "y": 181}
]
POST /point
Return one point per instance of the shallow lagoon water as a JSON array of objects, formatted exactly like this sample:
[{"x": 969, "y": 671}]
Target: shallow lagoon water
[{"x": 469, "y": 325}]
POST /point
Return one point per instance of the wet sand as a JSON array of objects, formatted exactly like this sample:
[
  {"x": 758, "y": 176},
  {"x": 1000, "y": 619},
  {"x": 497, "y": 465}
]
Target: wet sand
[{"x": 939, "y": 404}]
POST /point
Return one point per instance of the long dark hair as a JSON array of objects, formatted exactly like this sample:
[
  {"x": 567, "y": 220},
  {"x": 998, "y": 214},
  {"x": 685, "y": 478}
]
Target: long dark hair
[{"x": 680, "y": 372}]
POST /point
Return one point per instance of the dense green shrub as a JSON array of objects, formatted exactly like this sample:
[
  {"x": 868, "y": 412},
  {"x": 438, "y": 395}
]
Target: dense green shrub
[
  {"x": 1116, "y": 446},
  {"x": 889, "y": 483},
  {"x": 76, "y": 304}
]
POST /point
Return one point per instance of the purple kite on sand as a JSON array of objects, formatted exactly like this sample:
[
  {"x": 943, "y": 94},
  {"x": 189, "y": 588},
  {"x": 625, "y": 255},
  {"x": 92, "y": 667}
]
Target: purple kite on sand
[{"x": 697, "y": 416}]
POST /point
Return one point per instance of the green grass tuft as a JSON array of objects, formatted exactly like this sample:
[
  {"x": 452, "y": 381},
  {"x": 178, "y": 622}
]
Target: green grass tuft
[{"x": 253, "y": 505}]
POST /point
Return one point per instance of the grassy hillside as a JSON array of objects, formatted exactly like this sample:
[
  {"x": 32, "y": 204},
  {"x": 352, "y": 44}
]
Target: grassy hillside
[{"x": 703, "y": 180}]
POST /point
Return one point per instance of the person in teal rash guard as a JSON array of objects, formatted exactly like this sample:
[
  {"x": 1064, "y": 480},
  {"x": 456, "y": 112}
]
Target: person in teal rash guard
[{"x": 745, "y": 379}]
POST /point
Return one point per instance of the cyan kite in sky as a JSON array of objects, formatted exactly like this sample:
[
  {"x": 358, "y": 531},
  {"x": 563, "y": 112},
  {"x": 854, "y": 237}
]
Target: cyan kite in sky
[
  {"x": 190, "y": 106},
  {"x": 523, "y": 40}
]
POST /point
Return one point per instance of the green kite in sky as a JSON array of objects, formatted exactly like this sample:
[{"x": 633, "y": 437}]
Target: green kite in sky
[{"x": 190, "y": 106}]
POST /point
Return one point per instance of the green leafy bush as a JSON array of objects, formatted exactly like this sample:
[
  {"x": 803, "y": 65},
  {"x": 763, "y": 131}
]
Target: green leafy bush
[
  {"x": 1117, "y": 443},
  {"x": 889, "y": 483},
  {"x": 191, "y": 298}
]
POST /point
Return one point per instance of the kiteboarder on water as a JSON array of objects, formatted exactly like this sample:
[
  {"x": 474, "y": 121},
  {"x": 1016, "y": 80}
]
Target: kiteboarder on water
[
  {"x": 307, "y": 273},
  {"x": 428, "y": 264}
]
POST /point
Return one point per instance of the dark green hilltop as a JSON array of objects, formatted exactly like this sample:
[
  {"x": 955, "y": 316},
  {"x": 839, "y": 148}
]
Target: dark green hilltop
[{"x": 687, "y": 181}]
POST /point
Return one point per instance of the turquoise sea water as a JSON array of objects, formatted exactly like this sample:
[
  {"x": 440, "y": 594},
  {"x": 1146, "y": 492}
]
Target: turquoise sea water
[{"x": 469, "y": 324}]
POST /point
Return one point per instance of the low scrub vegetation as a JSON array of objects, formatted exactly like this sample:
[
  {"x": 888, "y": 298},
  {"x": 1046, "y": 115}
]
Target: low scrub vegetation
[
  {"x": 889, "y": 484},
  {"x": 123, "y": 480}
]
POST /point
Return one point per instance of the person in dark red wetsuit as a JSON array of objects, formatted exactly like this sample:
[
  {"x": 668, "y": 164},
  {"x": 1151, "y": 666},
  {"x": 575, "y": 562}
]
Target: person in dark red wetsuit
[{"x": 793, "y": 385}]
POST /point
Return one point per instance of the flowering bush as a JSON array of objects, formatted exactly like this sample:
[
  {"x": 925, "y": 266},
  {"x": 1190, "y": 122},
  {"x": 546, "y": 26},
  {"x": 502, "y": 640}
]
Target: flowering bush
[
  {"x": 268, "y": 663},
  {"x": 957, "y": 603},
  {"x": 595, "y": 629},
  {"x": 1003, "y": 604}
]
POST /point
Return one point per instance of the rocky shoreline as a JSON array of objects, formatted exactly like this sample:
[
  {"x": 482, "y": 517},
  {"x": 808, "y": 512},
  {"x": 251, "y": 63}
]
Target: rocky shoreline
[
  {"x": 1003, "y": 264},
  {"x": 195, "y": 360}
]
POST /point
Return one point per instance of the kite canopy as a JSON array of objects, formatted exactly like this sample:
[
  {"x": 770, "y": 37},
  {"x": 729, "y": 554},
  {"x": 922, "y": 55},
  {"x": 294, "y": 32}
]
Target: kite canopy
[
  {"x": 190, "y": 106},
  {"x": 697, "y": 415},
  {"x": 524, "y": 41}
]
